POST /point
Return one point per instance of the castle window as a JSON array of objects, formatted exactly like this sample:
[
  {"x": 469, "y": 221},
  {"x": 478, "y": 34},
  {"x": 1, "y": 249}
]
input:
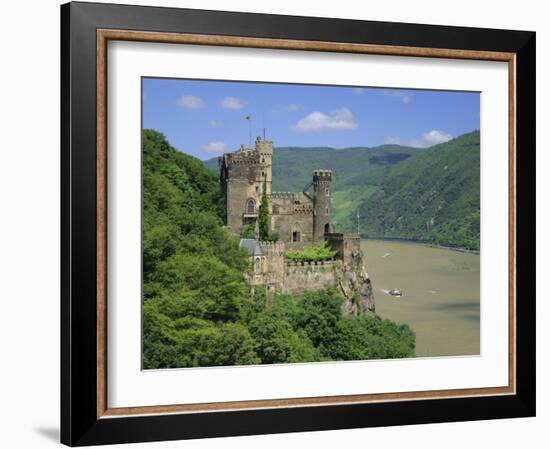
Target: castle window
[
  {"x": 263, "y": 174},
  {"x": 275, "y": 209},
  {"x": 295, "y": 236},
  {"x": 327, "y": 192},
  {"x": 327, "y": 228},
  {"x": 326, "y": 210},
  {"x": 250, "y": 206},
  {"x": 257, "y": 267},
  {"x": 263, "y": 160},
  {"x": 257, "y": 189}
]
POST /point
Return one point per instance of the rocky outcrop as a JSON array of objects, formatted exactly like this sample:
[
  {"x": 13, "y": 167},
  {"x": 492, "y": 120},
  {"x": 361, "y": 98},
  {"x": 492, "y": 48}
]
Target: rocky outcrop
[{"x": 356, "y": 288}]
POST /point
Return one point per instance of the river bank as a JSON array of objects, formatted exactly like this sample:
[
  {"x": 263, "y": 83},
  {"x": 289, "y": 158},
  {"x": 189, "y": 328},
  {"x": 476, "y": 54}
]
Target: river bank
[{"x": 422, "y": 242}]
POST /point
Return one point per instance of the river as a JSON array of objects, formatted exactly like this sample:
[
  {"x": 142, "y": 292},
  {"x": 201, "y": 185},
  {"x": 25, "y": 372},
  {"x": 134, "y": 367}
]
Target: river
[{"x": 440, "y": 294}]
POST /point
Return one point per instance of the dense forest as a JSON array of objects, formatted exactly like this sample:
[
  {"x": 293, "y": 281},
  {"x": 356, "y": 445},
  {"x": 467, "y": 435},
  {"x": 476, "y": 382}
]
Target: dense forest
[
  {"x": 432, "y": 197},
  {"x": 197, "y": 307},
  {"x": 424, "y": 194}
]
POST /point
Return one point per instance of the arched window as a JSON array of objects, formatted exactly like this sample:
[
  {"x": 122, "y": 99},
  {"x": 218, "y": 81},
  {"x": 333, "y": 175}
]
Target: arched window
[
  {"x": 250, "y": 206},
  {"x": 257, "y": 268},
  {"x": 327, "y": 228}
]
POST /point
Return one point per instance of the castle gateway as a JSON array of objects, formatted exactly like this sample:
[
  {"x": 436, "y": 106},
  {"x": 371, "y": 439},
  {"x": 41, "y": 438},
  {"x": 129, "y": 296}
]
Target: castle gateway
[{"x": 297, "y": 217}]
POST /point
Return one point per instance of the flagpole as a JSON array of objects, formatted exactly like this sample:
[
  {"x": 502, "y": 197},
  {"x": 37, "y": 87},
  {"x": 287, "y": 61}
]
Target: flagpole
[{"x": 249, "y": 118}]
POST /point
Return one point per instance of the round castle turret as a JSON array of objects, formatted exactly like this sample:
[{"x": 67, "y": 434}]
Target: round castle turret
[{"x": 321, "y": 203}]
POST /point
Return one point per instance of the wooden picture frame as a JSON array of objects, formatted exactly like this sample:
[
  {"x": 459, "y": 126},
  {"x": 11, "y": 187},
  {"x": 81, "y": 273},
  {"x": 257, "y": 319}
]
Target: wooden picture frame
[{"x": 86, "y": 29}]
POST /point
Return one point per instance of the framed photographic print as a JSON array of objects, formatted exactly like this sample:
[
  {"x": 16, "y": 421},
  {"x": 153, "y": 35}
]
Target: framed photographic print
[{"x": 277, "y": 224}]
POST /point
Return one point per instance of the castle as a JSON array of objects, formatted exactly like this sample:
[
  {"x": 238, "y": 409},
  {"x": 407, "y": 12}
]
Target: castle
[{"x": 299, "y": 219}]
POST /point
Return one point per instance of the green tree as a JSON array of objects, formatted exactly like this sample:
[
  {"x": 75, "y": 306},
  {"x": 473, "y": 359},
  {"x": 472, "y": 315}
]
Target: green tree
[
  {"x": 366, "y": 337},
  {"x": 264, "y": 214}
]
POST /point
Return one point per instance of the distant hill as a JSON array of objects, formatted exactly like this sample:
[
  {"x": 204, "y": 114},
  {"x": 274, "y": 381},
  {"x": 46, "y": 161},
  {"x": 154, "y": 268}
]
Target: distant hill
[
  {"x": 292, "y": 166},
  {"x": 432, "y": 197},
  {"x": 429, "y": 195}
]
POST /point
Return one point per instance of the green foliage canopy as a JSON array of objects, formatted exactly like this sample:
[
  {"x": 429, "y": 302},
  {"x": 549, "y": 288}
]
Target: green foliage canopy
[{"x": 264, "y": 214}]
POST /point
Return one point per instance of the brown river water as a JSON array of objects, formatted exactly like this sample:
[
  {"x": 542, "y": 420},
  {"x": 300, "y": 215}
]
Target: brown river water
[{"x": 440, "y": 299}]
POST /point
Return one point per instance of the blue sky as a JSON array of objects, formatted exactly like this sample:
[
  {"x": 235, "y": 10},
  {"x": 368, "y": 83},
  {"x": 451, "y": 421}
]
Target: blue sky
[{"x": 207, "y": 118}]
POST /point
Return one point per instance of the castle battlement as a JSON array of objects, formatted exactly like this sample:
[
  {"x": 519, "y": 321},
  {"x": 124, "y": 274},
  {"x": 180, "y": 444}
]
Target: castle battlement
[
  {"x": 282, "y": 194},
  {"x": 320, "y": 175},
  {"x": 303, "y": 210},
  {"x": 320, "y": 263},
  {"x": 273, "y": 248}
]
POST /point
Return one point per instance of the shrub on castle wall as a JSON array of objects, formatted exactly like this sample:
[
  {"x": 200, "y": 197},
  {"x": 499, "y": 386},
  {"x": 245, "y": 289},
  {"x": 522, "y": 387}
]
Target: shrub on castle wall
[{"x": 321, "y": 252}]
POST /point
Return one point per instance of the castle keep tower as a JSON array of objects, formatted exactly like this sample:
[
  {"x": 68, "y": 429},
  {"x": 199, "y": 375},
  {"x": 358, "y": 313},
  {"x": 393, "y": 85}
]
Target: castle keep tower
[
  {"x": 321, "y": 203},
  {"x": 242, "y": 177}
]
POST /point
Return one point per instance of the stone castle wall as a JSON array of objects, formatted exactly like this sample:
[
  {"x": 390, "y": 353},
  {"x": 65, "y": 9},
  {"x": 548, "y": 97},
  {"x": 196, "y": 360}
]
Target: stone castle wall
[
  {"x": 345, "y": 245},
  {"x": 275, "y": 259},
  {"x": 310, "y": 276},
  {"x": 291, "y": 212}
]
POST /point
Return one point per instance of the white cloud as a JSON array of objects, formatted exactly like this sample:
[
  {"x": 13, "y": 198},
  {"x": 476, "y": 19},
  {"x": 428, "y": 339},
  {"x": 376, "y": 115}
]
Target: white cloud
[
  {"x": 428, "y": 139},
  {"x": 406, "y": 97},
  {"x": 191, "y": 102},
  {"x": 214, "y": 147},
  {"x": 316, "y": 121},
  {"x": 215, "y": 123},
  {"x": 359, "y": 90},
  {"x": 392, "y": 140},
  {"x": 232, "y": 103}
]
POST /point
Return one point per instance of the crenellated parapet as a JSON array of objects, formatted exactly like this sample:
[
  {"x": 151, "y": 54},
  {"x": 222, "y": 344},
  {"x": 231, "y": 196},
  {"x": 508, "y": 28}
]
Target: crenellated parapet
[
  {"x": 322, "y": 175},
  {"x": 273, "y": 248}
]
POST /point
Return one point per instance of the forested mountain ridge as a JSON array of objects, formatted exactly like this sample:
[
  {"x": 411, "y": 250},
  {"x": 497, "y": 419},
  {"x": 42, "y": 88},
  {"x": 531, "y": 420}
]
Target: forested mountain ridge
[
  {"x": 197, "y": 307},
  {"x": 432, "y": 197},
  {"x": 425, "y": 194},
  {"x": 292, "y": 166}
]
